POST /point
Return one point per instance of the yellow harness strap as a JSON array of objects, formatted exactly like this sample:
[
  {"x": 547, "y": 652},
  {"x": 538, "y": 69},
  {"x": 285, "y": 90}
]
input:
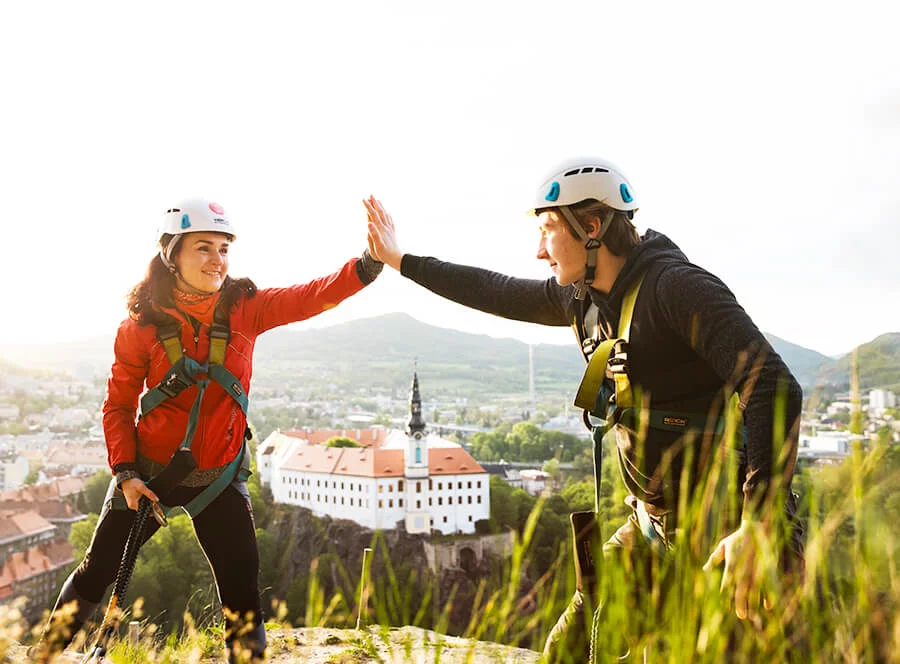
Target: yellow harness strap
[{"x": 592, "y": 380}]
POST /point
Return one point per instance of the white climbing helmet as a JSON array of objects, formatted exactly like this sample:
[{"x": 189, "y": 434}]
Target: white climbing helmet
[
  {"x": 190, "y": 216},
  {"x": 582, "y": 179}
]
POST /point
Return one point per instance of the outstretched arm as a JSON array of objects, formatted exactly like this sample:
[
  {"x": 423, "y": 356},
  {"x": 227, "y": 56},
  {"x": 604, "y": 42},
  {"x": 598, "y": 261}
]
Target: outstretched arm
[{"x": 531, "y": 300}]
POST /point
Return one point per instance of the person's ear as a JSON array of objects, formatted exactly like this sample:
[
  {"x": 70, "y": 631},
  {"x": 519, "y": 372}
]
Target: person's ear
[{"x": 591, "y": 224}]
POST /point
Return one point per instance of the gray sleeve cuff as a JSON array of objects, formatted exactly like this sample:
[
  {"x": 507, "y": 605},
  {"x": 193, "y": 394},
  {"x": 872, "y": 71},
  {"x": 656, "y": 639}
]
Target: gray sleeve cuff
[
  {"x": 367, "y": 268},
  {"x": 123, "y": 475}
]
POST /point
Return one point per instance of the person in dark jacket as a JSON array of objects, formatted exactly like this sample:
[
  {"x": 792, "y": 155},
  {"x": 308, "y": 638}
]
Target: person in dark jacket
[
  {"x": 186, "y": 286},
  {"x": 688, "y": 355}
]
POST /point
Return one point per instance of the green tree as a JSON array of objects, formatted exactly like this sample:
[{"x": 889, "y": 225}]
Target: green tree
[
  {"x": 579, "y": 496},
  {"x": 92, "y": 496},
  {"x": 81, "y": 534},
  {"x": 341, "y": 441}
]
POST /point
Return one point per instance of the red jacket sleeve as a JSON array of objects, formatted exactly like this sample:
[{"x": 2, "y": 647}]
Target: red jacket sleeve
[
  {"x": 124, "y": 386},
  {"x": 272, "y": 307}
]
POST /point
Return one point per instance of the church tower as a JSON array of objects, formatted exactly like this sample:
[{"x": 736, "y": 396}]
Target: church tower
[{"x": 417, "y": 444}]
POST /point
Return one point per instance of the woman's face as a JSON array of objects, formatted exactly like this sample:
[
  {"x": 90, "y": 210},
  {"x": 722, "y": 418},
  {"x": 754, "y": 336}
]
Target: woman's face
[{"x": 202, "y": 262}]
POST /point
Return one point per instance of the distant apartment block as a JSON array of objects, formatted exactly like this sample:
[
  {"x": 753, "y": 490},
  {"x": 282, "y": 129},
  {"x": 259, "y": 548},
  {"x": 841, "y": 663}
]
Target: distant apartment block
[
  {"x": 880, "y": 401},
  {"x": 13, "y": 471},
  {"x": 416, "y": 480}
]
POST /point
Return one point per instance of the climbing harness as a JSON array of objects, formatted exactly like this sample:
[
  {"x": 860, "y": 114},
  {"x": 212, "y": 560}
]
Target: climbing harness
[{"x": 184, "y": 373}]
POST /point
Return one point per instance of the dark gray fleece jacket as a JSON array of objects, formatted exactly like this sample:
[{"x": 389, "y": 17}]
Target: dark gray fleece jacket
[{"x": 690, "y": 342}]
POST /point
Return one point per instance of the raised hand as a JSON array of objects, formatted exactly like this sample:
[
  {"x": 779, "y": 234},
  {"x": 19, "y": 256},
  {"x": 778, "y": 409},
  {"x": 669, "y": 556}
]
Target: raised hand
[{"x": 382, "y": 235}]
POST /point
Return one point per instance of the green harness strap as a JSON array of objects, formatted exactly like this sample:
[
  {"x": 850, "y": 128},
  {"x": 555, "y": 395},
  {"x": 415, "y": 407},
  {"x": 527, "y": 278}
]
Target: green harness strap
[{"x": 588, "y": 391}]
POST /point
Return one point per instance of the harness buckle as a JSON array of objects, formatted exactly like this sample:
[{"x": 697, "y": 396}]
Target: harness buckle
[
  {"x": 173, "y": 385},
  {"x": 159, "y": 515}
]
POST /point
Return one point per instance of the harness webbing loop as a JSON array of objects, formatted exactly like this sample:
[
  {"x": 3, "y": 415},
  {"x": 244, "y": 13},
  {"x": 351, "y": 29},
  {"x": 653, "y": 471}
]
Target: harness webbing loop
[{"x": 589, "y": 390}]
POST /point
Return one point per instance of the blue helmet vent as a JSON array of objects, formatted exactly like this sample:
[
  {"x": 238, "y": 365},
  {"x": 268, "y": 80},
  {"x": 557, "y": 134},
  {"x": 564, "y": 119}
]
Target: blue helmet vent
[
  {"x": 553, "y": 194},
  {"x": 185, "y": 221},
  {"x": 626, "y": 195}
]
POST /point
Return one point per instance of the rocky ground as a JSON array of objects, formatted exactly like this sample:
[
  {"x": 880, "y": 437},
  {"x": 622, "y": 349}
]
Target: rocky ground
[{"x": 318, "y": 645}]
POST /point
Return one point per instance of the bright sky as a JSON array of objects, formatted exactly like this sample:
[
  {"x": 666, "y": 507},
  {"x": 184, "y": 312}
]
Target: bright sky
[{"x": 763, "y": 138}]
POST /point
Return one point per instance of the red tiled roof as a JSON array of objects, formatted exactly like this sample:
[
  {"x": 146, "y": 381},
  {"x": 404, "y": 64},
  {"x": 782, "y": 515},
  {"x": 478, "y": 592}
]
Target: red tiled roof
[
  {"x": 313, "y": 459},
  {"x": 21, "y": 524},
  {"x": 376, "y": 462},
  {"x": 58, "y": 488},
  {"x": 452, "y": 461},
  {"x": 22, "y": 565},
  {"x": 365, "y": 437}
]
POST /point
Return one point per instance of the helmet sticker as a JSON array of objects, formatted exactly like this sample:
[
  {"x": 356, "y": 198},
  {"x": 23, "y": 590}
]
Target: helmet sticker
[
  {"x": 553, "y": 194},
  {"x": 626, "y": 195},
  {"x": 218, "y": 209},
  {"x": 185, "y": 221}
]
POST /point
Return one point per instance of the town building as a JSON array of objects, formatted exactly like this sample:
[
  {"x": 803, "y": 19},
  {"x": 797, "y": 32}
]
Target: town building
[
  {"x": 76, "y": 459},
  {"x": 13, "y": 471},
  {"x": 410, "y": 479},
  {"x": 824, "y": 448},
  {"x": 35, "y": 522},
  {"x": 880, "y": 401},
  {"x": 534, "y": 481}
]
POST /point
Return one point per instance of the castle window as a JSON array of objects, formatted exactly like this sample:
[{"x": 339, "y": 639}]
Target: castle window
[
  {"x": 479, "y": 500},
  {"x": 380, "y": 503},
  {"x": 400, "y": 502},
  {"x": 470, "y": 500},
  {"x": 418, "y": 455},
  {"x": 418, "y": 504},
  {"x": 450, "y": 500},
  {"x": 440, "y": 501},
  {"x": 391, "y": 502},
  {"x": 400, "y": 485},
  {"x": 470, "y": 484},
  {"x": 418, "y": 487}
]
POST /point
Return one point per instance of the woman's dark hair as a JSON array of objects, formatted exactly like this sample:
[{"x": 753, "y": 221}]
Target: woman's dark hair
[{"x": 155, "y": 291}]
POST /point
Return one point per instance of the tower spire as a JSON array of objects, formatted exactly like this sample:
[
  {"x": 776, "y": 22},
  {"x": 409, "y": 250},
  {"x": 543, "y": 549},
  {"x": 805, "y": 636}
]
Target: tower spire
[{"x": 416, "y": 421}]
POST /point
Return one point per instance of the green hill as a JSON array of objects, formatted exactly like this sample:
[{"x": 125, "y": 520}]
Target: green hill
[
  {"x": 804, "y": 363},
  {"x": 879, "y": 366},
  {"x": 380, "y": 352}
]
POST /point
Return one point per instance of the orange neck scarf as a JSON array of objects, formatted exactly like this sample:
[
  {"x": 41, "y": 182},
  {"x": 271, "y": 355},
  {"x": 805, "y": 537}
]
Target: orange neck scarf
[{"x": 200, "y": 307}]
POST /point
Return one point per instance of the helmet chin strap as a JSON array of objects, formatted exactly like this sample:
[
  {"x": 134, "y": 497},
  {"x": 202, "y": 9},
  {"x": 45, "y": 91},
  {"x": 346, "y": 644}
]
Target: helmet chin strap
[{"x": 591, "y": 244}]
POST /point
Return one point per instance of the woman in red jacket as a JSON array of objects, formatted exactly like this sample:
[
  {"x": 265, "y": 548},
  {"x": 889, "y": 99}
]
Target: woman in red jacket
[{"x": 186, "y": 284}]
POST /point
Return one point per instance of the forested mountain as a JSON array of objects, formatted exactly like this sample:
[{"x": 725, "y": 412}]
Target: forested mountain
[{"x": 379, "y": 352}]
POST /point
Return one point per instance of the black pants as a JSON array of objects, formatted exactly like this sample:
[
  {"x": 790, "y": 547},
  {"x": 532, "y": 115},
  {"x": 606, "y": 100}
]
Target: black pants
[{"x": 226, "y": 533}]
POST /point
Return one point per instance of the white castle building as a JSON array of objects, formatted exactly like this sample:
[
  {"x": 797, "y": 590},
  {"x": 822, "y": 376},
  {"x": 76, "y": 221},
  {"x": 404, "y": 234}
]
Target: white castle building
[{"x": 414, "y": 478}]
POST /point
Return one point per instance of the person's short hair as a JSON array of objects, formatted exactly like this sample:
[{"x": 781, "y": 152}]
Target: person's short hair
[{"x": 620, "y": 238}]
